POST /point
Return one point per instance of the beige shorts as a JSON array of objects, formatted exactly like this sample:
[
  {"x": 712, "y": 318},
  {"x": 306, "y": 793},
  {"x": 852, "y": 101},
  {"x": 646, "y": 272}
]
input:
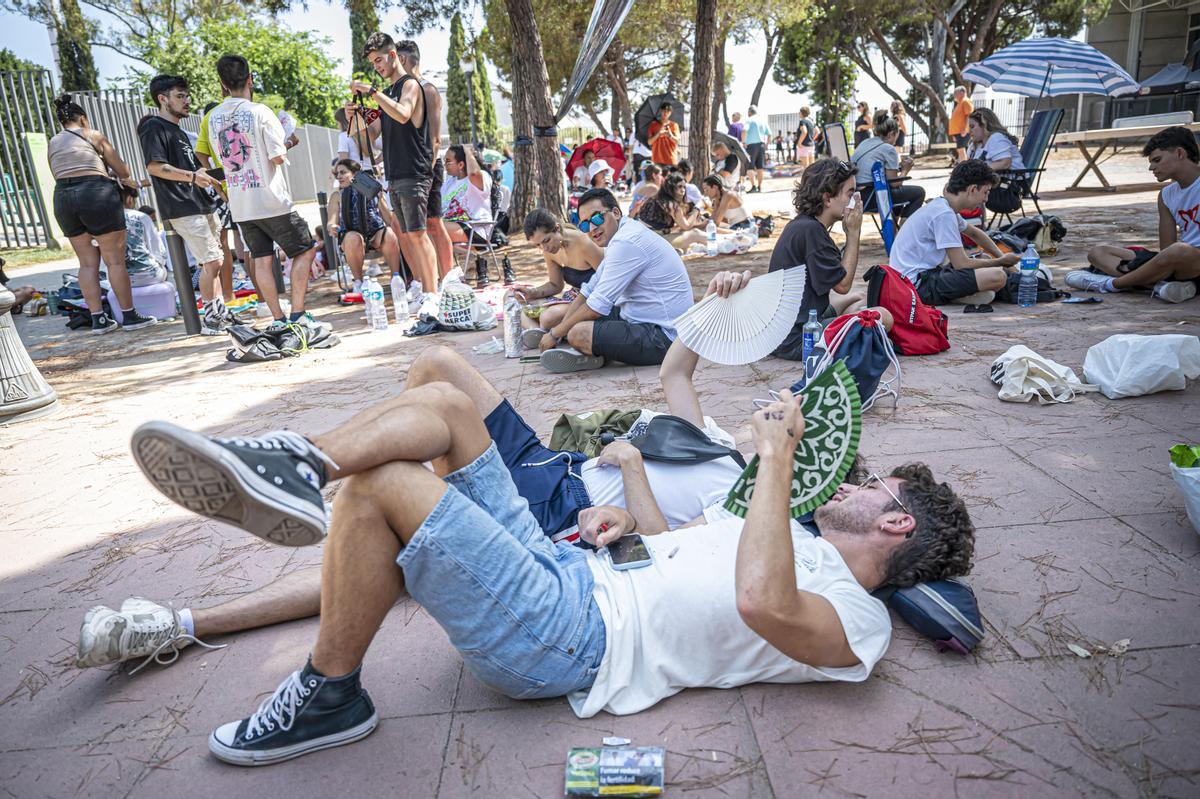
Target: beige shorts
[{"x": 201, "y": 234}]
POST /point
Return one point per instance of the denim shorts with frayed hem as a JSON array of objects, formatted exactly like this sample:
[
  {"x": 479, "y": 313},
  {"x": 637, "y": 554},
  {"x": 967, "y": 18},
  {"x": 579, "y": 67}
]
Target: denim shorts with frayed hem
[{"x": 517, "y": 606}]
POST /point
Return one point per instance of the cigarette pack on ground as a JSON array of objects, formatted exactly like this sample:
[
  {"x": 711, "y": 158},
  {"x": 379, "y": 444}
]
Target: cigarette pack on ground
[{"x": 629, "y": 771}]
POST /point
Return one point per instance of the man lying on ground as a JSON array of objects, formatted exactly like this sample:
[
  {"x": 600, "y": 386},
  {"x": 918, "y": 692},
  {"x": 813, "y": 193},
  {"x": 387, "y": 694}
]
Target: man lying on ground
[
  {"x": 1172, "y": 273},
  {"x": 626, "y": 312},
  {"x": 928, "y": 250}
]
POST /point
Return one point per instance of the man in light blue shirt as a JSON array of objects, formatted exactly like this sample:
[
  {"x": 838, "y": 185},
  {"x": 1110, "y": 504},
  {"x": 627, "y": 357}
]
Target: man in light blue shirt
[
  {"x": 757, "y": 136},
  {"x": 626, "y": 312}
]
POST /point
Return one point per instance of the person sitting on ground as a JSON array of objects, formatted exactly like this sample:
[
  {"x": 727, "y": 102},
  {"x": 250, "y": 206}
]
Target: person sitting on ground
[
  {"x": 535, "y": 619},
  {"x": 145, "y": 253},
  {"x": 822, "y": 197},
  {"x": 669, "y": 214},
  {"x": 22, "y": 294},
  {"x": 929, "y": 250},
  {"x": 653, "y": 177},
  {"x": 806, "y": 138},
  {"x": 1173, "y": 272},
  {"x": 571, "y": 260},
  {"x": 693, "y": 193},
  {"x": 624, "y": 313},
  {"x": 991, "y": 142},
  {"x": 580, "y": 179},
  {"x": 726, "y": 164},
  {"x": 359, "y": 225},
  {"x": 728, "y": 210},
  {"x": 862, "y": 125},
  {"x": 600, "y": 174},
  {"x": 881, "y": 148}
]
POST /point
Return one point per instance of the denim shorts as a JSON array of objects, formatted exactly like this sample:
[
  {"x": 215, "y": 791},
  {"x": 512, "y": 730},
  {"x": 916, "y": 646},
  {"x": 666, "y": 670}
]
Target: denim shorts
[
  {"x": 548, "y": 480},
  {"x": 517, "y": 606}
]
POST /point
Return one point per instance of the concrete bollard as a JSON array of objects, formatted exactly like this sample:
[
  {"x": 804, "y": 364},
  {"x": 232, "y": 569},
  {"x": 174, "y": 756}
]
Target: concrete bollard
[{"x": 183, "y": 283}]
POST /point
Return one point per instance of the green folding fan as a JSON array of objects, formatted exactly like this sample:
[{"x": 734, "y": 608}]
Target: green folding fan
[{"x": 832, "y": 426}]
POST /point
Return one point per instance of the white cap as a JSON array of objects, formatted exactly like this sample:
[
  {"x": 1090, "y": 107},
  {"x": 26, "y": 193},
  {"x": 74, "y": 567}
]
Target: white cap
[{"x": 598, "y": 166}]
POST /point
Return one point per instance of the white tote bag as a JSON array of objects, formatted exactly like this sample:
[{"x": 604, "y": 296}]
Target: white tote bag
[
  {"x": 1130, "y": 366},
  {"x": 1023, "y": 375}
]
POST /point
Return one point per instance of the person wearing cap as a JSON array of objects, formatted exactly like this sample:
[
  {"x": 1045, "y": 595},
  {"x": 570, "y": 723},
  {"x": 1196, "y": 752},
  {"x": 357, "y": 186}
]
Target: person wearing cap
[{"x": 600, "y": 174}]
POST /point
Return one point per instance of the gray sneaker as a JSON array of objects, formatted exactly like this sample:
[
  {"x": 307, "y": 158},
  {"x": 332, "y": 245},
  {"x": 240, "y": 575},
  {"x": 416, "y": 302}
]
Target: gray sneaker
[
  {"x": 568, "y": 359},
  {"x": 531, "y": 338},
  {"x": 1174, "y": 290},
  {"x": 1089, "y": 281}
]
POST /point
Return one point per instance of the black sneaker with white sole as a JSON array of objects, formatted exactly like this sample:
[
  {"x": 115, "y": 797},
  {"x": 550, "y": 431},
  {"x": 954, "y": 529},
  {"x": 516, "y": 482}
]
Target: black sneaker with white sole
[
  {"x": 103, "y": 323},
  {"x": 307, "y": 712},
  {"x": 132, "y": 320},
  {"x": 270, "y": 485}
]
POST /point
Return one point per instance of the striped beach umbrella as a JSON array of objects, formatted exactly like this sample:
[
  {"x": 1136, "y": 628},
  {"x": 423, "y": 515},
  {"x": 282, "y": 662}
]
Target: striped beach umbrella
[{"x": 1051, "y": 67}]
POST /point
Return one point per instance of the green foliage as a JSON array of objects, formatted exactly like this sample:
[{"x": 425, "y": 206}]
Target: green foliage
[
  {"x": 293, "y": 65},
  {"x": 809, "y": 62},
  {"x": 11, "y": 62},
  {"x": 485, "y": 109},
  {"x": 364, "y": 20},
  {"x": 458, "y": 112},
  {"x": 75, "y": 63}
]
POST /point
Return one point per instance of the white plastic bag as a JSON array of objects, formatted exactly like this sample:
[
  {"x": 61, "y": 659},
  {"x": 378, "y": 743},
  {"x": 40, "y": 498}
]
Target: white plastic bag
[
  {"x": 1130, "y": 366},
  {"x": 1188, "y": 481},
  {"x": 1022, "y": 375},
  {"x": 459, "y": 308}
]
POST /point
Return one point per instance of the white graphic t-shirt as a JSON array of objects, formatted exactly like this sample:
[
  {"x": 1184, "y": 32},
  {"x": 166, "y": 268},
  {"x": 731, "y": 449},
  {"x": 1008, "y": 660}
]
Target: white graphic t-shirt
[
  {"x": 247, "y": 135},
  {"x": 1184, "y": 205}
]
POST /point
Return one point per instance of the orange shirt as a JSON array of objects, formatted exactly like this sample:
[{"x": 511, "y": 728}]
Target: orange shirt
[
  {"x": 665, "y": 150},
  {"x": 958, "y": 118}
]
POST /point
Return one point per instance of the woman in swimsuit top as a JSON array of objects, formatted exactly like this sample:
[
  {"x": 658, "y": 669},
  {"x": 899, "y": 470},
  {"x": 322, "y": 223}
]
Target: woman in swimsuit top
[{"x": 571, "y": 259}]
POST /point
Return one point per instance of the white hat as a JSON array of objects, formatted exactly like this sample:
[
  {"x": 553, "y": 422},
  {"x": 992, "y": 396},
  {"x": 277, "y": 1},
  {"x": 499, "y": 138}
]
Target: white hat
[{"x": 598, "y": 166}]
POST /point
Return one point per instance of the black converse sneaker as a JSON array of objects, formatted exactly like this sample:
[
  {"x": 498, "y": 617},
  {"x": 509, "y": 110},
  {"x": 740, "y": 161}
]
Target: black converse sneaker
[
  {"x": 103, "y": 323},
  {"x": 307, "y": 712},
  {"x": 132, "y": 320},
  {"x": 269, "y": 486}
]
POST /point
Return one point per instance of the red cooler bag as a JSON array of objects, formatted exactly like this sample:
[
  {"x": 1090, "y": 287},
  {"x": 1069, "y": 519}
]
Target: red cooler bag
[{"x": 917, "y": 328}]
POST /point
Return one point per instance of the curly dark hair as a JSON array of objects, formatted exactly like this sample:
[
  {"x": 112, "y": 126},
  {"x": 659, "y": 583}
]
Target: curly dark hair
[
  {"x": 972, "y": 172},
  {"x": 943, "y": 543},
  {"x": 824, "y": 177},
  {"x": 1170, "y": 138}
]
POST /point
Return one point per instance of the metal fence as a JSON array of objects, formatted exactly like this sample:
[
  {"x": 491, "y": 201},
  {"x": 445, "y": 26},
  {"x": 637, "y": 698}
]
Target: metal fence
[{"x": 26, "y": 108}]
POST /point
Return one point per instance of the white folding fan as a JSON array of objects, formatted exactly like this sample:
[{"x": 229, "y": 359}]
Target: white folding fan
[{"x": 748, "y": 325}]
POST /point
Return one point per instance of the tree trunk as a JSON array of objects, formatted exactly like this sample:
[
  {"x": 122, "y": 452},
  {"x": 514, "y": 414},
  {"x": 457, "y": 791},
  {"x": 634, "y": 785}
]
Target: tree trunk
[
  {"x": 700, "y": 127},
  {"x": 524, "y": 196},
  {"x": 774, "y": 42},
  {"x": 936, "y": 60},
  {"x": 530, "y": 65},
  {"x": 719, "y": 76},
  {"x": 616, "y": 72},
  {"x": 590, "y": 110}
]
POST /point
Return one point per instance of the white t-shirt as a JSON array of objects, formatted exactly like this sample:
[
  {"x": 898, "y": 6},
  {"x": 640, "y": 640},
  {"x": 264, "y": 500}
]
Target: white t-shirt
[
  {"x": 675, "y": 625},
  {"x": 693, "y": 195},
  {"x": 922, "y": 243},
  {"x": 247, "y": 135},
  {"x": 1184, "y": 205},
  {"x": 346, "y": 144},
  {"x": 681, "y": 492},
  {"x": 580, "y": 178},
  {"x": 461, "y": 201},
  {"x": 996, "y": 147}
]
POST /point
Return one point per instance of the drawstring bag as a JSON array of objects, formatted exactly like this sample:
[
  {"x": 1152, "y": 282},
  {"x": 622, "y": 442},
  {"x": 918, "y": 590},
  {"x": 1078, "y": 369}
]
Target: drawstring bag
[
  {"x": 860, "y": 342},
  {"x": 1023, "y": 375}
]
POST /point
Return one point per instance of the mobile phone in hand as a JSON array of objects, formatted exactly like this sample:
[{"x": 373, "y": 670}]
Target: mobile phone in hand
[{"x": 629, "y": 552}]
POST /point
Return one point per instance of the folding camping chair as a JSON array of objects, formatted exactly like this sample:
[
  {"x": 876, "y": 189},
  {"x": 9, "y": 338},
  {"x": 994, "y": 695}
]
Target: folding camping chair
[
  {"x": 487, "y": 240},
  {"x": 835, "y": 140},
  {"x": 1035, "y": 149}
]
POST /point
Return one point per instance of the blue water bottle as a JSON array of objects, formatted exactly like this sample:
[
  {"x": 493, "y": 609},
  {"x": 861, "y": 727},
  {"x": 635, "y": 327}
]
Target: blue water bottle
[
  {"x": 1028, "y": 287},
  {"x": 812, "y": 333}
]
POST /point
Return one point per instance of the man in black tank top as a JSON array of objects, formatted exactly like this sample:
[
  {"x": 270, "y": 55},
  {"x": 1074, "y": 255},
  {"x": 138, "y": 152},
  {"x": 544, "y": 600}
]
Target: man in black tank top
[{"x": 407, "y": 152}]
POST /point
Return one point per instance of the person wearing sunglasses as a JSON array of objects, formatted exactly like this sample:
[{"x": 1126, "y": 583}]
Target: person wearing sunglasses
[
  {"x": 626, "y": 312},
  {"x": 571, "y": 260}
]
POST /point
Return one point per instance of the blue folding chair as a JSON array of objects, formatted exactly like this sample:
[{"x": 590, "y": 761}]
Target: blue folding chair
[{"x": 883, "y": 203}]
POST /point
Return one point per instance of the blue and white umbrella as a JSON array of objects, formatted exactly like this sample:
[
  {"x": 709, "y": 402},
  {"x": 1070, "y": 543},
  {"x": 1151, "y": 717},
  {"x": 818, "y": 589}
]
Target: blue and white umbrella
[{"x": 1050, "y": 67}]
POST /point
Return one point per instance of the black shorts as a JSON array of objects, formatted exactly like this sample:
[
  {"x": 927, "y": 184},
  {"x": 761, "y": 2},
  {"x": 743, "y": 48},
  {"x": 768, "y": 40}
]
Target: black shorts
[
  {"x": 758, "y": 155},
  {"x": 367, "y": 237},
  {"x": 634, "y": 343},
  {"x": 289, "y": 231},
  {"x": 410, "y": 202},
  {"x": 944, "y": 284},
  {"x": 1140, "y": 258},
  {"x": 89, "y": 205},
  {"x": 434, "y": 210}
]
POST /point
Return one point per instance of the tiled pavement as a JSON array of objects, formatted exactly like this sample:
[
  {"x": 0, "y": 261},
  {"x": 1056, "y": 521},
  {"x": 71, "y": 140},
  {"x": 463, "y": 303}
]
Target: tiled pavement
[{"x": 1081, "y": 540}]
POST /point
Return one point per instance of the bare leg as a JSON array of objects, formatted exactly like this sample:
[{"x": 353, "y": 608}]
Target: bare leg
[
  {"x": 991, "y": 278},
  {"x": 391, "y": 251},
  {"x": 1177, "y": 262},
  {"x": 550, "y": 316},
  {"x": 268, "y": 292},
  {"x": 89, "y": 270},
  {"x": 580, "y": 337},
  {"x": 226, "y": 287},
  {"x": 443, "y": 365},
  {"x": 441, "y": 244},
  {"x": 1108, "y": 257},
  {"x": 112, "y": 249},
  {"x": 296, "y": 595},
  {"x": 848, "y": 303},
  {"x": 301, "y": 266},
  {"x": 352, "y": 246},
  {"x": 210, "y": 280},
  {"x": 418, "y": 251}
]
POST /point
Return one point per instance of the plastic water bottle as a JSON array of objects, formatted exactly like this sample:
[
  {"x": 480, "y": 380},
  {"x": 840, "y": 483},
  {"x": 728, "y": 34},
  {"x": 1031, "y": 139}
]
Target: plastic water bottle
[
  {"x": 1028, "y": 287},
  {"x": 399, "y": 299},
  {"x": 712, "y": 238},
  {"x": 812, "y": 333},
  {"x": 376, "y": 308}
]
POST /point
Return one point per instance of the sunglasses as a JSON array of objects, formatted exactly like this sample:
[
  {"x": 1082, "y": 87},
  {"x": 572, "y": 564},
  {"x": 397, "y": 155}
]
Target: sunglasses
[
  {"x": 845, "y": 169},
  {"x": 595, "y": 220},
  {"x": 875, "y": 478}
]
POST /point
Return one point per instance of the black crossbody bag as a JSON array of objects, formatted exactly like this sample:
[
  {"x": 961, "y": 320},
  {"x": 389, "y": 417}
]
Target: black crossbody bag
[{"x": 365, "y": 182}]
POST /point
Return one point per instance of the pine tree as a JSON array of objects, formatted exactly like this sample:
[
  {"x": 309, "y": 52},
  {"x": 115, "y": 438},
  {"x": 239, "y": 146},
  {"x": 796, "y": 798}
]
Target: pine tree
[
  {"x": 75, "y": 62},
  {"x": 458, "y": 111},
  {"x": 364, "y": 20},
  {"x": 485, "y": 110}
]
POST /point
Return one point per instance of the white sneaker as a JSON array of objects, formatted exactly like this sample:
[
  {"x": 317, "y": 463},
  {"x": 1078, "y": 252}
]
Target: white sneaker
[
  {"x": 1174, "y": 290},
  {"x": 140, "y": 629},
  {"x": 978, "y": 298},
  {"x": 1089, "y": 281}
]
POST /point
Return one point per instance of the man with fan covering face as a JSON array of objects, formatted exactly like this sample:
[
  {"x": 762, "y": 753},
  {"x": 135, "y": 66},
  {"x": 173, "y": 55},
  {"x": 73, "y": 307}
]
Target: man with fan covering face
[{"x": 537, "y": 619}]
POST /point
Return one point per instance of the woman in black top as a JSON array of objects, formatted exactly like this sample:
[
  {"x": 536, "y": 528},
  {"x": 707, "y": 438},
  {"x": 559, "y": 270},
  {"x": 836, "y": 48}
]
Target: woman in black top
[
  {"x": 672, "y": 216},
  {"x": 862, "y": 125}
]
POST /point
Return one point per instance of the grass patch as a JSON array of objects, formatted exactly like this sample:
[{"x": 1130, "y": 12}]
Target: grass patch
[{"x": 14, "y": 259}]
